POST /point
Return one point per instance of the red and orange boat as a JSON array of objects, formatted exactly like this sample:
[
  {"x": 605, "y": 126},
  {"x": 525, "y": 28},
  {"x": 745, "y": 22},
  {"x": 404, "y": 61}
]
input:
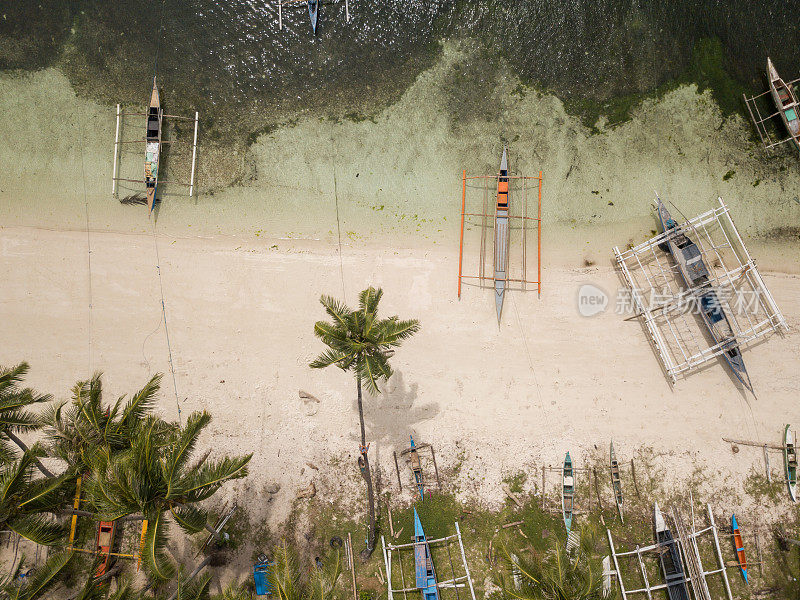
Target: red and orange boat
[{"x": 105, "y": 542}]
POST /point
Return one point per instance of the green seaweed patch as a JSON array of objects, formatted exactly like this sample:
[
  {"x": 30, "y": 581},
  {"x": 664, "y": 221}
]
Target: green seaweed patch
[
  {"x": 728, "y": 175},
  {"x": 756, "y": 183}
]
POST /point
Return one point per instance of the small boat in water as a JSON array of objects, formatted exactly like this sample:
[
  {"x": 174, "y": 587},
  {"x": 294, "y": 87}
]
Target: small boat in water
[
  {"x": 786, "y": 101},
  {"x": 670, "y": 559},
  {"x": 616, "y": 483},
  {"x": 739, "y": 546},
  {"x": 152, "y": 151},
  {"x": 696, "y": 276},
  {"x": 313, "y": 13},
  {"x": 790, "y": 461},
  {"x": 501, "y": 235},
  {"x": 423, "y": 563},
  {"x": 567, "y": 492}
]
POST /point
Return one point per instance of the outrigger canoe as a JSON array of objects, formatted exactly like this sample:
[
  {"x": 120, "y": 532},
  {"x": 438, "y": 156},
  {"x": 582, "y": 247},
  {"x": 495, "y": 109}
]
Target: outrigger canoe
[
  {"x": 152, "y": 152},
  {"x": 567, "y": 492},
  {"x": 313, "y": 13},
  {"x": 423, "y": 564},
  {"x": 786, "y": 101},
  {"x": 616, "y": 483},
  {"x": 737, "y": 543},
  {"x": 501, "y": 234},
  {"x": 670, "y": 559},
  {"x": 790, "y": 461},
  {"x": 696, "y": 276}
]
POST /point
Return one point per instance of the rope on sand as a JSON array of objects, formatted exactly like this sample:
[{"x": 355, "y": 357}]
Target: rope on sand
[
  {"x": 164, "y": 317},
  {"x": 88, "y": 246}
]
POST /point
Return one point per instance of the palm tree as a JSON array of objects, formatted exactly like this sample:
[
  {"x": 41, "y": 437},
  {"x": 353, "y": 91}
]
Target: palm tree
[
  {"x": 14, "y": 418},
  {"x": 360, "y": 342},
  {"x": 23, "y": 500},
  {"x": 157, "y": 478},
  {"x": 557, "y": 574}
]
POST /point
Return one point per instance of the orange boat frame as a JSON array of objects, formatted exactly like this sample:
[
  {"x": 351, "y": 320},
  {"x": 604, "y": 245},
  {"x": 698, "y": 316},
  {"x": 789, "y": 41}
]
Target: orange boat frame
[{"x": 524, "y": 217}]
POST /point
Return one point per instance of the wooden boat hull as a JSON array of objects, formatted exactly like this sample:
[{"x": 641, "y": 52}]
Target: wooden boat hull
[
  {"x": 739, "y": 547},
  {"x": 786, "y": 102},
  {"x": 669, "y": 559},
  {"x": 694, "y": 273},
  {"x": 567, "y": 492},
  {"x": 152, "y": 154},
  {"x": 790, "y": 461},
  {"x": 104, "y": 545},
  {"x": 313, "y": 13},
  {"x": 501, "y": 235},
  {"x": 423, "y": 563},
  {"x": 616, "y": 482}
]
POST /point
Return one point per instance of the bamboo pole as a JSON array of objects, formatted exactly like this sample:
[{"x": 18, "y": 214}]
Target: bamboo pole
[
  {"x": 539, "y": 237},
  {"x": 280, "y": 14},
  {"x": 461, "y": 241},
  {"x": 75, "y": 505},
  {"x": 347, "y": 10},
  {"x": 194, "y": 151},
  {"x": 353, "y": 565},
  {"x": 141, "y": 546},
  {"x": 116, "y": 149}
]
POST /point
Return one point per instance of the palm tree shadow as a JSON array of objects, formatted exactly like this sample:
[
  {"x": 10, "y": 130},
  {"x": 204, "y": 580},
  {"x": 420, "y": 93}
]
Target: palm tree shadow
[{"x": 389, "y": 417}]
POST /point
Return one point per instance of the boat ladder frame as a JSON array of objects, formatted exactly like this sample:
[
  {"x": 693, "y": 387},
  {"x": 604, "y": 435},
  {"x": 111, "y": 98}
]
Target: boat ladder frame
[
  {"x": 454, "y": 582},
  {"x": 647, "y": 273},
  {"x": 118, "y": 143},
  {"x": 693, "y": 571},
  {"x": 518, "y": 186},
  {"x": 759, "y": 121}
]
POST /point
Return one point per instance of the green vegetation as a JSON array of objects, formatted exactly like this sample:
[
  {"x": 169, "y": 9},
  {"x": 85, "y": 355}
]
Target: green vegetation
[
  {"x": 132, "y": 466},
  {"x": 360, "y": 342}
]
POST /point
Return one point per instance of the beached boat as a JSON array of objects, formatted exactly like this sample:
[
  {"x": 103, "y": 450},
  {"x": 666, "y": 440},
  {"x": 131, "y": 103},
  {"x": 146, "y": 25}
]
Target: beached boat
[
  {"x": 567, "y": 492},
  {"x": 786, "y": 102},
  {"x": 739, "y": 546},
  {"x": 501, "y": 235},
  {"x": 423, "y": 563},
  {"x": 616, "y": 482},
  {"x": 104, "y": 545},
  {"x": 670, "y": 559},
  {"x": 152, "y": 151},
  {"x": 696, "y": 276},
  {"x": 790, "y": 461},
  {"x": 416, "y": 468},
  {"x": 313, "y": 13}
]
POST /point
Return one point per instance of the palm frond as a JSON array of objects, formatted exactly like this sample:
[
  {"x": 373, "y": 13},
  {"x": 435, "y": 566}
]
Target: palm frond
[
  {"x": 338, "y": 311},
  {"x": 36, "y": 528},
  {"x": 190, "y": 518},
  {"x": 141, "y": 403},
  {"x": 180, "y": 452},
  {"x": 157, "y": 563},
  {"x": 328, "y": 358},
  {"x": 284, "y": 577},
  {"x": 205, "y": 481},
  {"x": 394, "y": 331},
  {"x": 369, "y": 299}
]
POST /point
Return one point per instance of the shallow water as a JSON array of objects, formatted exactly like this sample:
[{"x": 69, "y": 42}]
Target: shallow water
[{"x": 230, "y": 60}]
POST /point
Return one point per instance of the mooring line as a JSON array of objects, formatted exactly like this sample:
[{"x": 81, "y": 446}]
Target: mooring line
[
  {"x": 164, "y": 317},
  {"x": 88, "y": 247},
  {"x": 338, "y": 228}
]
